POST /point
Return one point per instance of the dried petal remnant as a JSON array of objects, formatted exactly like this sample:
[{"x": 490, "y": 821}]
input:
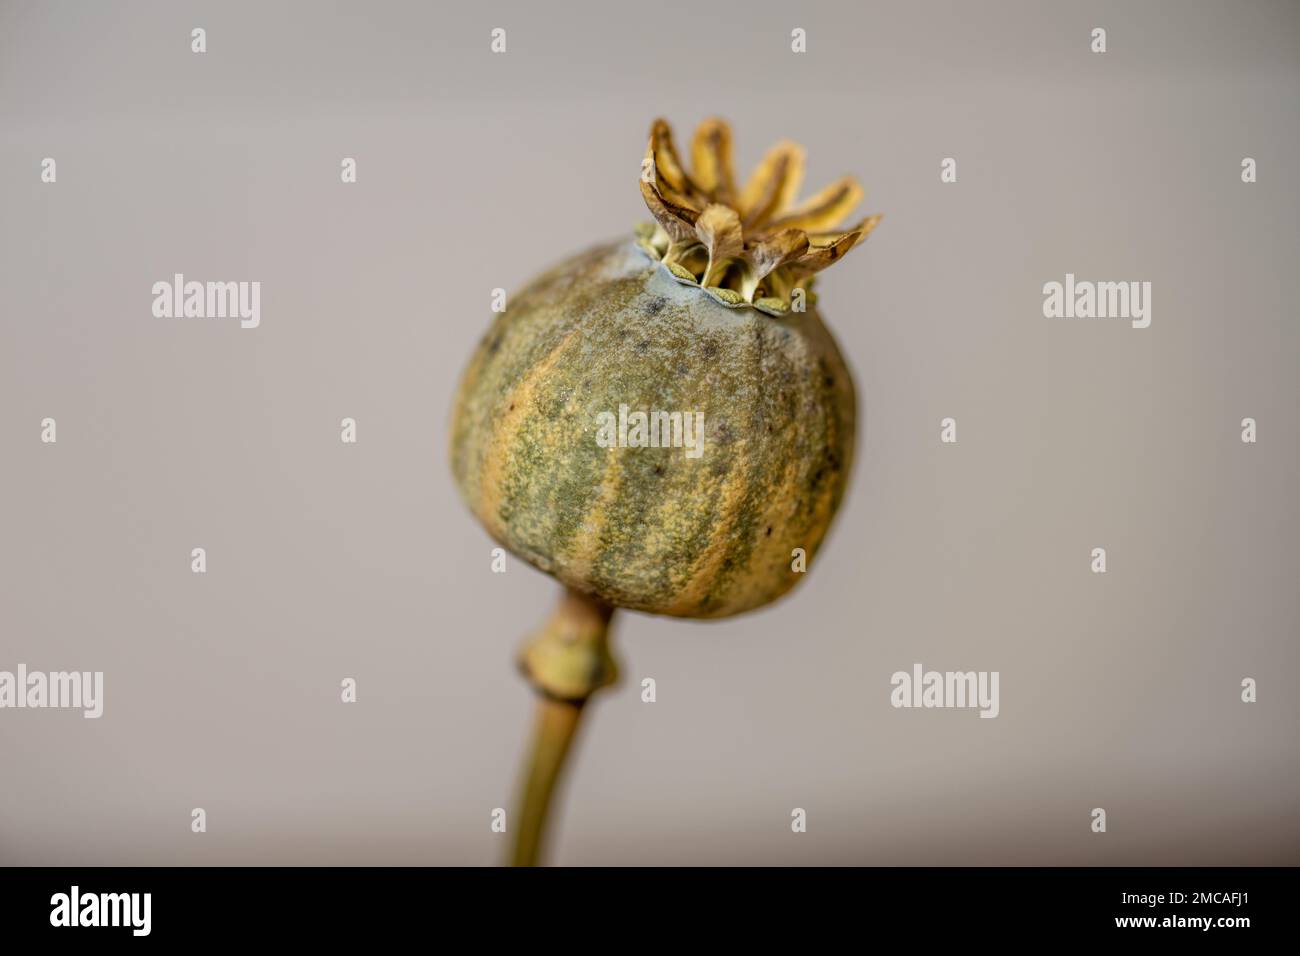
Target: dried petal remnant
[{"x": 751, "y": 247}]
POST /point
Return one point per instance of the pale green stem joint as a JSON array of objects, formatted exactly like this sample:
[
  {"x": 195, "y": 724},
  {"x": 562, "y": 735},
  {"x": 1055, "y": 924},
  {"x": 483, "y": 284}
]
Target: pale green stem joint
[{"x": 567, "y": 661}]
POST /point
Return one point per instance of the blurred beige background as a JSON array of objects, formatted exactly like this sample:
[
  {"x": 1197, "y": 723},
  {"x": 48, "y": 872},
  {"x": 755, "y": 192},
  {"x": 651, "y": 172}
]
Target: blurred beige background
[{"x": 475, "y": 171}]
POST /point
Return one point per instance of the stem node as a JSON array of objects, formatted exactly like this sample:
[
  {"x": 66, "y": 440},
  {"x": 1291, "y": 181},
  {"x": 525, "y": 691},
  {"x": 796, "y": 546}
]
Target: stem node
[{"x": 567, "y": 661}]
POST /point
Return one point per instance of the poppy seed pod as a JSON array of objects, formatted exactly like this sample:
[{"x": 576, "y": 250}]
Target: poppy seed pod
[
  {"x": 663, "y": 423},
  {"x": 727, "y": 412}
]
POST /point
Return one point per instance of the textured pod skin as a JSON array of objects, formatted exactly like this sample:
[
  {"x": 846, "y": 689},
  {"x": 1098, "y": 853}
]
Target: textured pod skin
[{"x": 650, "y": 528}]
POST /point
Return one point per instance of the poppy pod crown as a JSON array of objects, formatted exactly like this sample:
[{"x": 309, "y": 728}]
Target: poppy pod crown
[{"x": 749, "y": 246}]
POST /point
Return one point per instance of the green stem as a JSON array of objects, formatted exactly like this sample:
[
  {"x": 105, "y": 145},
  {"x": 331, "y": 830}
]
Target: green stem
[
  {"x": 566, "y": 662},
  {"x": 557, "y": 721}
]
